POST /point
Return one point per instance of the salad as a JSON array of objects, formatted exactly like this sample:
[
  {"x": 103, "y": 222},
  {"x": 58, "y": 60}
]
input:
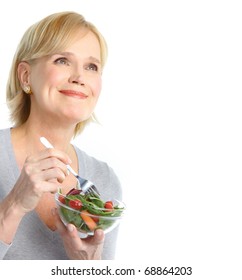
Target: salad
[{"x": 87, "y": 211}]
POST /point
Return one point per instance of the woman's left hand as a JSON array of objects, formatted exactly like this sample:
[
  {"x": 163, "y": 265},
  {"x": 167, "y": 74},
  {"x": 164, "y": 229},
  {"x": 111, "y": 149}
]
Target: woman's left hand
[{"x": 89, "y": 248}]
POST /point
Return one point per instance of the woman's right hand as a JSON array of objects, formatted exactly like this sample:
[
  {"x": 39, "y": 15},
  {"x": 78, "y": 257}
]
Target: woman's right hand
[{"x": 43, "y": 172}]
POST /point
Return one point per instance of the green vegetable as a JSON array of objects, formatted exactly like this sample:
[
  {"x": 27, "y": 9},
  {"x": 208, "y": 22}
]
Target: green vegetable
[{"x": 103, "y": 218}]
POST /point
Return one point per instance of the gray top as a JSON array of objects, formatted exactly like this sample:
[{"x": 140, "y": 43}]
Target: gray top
[{"x": 34, "y": 240}]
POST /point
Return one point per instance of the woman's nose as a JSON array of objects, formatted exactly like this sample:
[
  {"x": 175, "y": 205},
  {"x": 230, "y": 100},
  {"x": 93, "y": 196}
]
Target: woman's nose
[{"x": 77, "y": 79}]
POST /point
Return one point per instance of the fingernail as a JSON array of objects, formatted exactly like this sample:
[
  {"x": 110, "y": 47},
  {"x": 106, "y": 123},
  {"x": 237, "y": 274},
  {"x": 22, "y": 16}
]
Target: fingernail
[{"x": 70, "y": 228}]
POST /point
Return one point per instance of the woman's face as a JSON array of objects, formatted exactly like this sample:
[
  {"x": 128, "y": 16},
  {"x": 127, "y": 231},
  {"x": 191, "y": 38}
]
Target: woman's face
[{"x": 66, "y": 85}]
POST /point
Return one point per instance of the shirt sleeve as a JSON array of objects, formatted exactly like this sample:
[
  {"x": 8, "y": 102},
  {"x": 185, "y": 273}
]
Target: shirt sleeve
[{"x": 3, "y": 249}]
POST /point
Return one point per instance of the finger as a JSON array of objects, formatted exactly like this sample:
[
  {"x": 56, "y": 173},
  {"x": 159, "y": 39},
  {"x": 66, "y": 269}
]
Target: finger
[
  {"x": 58, "y": 154},
  {"x": 52, "y": 175},
  {"x": 98, "y": 237},
  {"x": 72, "y": 231},
  {"x": 44, "y": 187},
  {"x": 69, "y": 234},
  {"x": 49, "y": 153},
  {"x": 39, "y": 178},
  {"x": 53, "y": 162},
  {"x": 69, "y": 229}
]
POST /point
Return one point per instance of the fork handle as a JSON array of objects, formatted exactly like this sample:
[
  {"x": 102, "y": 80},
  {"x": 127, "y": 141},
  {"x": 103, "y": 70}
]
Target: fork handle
[
  {"x": 71, "y": 170},
  {"x": 47, "y": 144}
]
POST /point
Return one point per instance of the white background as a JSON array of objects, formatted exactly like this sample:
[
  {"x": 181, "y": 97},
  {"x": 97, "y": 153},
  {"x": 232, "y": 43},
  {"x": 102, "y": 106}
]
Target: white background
[{"x": 171, "y": 123}]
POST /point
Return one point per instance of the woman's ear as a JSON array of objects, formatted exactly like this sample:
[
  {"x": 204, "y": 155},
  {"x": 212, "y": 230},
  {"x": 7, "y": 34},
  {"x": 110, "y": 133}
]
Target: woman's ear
[{"x": 23, "y": 73}]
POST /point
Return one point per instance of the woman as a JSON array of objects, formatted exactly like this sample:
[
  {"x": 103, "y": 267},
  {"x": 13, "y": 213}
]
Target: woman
[{"x": 53, "y": 87}]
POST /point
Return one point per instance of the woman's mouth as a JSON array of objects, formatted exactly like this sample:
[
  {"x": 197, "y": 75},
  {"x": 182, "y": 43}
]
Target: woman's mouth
[{"x": 73, "y": 93}]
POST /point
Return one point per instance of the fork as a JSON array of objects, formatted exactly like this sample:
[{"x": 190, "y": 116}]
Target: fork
[{"x": 85, "y": 185}]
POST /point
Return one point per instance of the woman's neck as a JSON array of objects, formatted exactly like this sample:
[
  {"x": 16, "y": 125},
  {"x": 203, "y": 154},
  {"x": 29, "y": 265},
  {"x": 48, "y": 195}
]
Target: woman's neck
[{"x": 29, "y": 135}]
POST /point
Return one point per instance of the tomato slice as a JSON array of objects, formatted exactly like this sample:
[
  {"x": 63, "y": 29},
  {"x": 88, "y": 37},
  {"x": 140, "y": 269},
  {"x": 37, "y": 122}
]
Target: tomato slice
[
  {"x": 108, "y": 205},
  {"x": 62, "y": 199},
  {"x": 95, "y": 219},
  {"x": 75, "y": 204}
]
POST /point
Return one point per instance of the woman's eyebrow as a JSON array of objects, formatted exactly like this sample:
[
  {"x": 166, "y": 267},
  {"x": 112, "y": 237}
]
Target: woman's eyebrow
[
  {"x": 94, "y": 59},
  {"x": 91, "y": 58}
]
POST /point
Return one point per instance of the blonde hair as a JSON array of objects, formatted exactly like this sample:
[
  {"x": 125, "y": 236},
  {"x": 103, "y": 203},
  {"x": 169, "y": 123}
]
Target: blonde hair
[{"x": 52, "y": 34}]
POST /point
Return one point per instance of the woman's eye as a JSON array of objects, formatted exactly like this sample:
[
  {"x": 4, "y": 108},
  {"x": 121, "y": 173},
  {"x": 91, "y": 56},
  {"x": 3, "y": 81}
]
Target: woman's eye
[
  {"x": 61, "y": 60},
  {"x": 92, "y": 67}
]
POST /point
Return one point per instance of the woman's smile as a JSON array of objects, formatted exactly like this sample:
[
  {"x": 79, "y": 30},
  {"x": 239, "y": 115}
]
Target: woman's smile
[{"x": 75, "y": 94}]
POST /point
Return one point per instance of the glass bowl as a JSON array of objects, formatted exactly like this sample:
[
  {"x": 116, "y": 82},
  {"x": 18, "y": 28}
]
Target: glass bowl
[{"x": 88, "y": 212}]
